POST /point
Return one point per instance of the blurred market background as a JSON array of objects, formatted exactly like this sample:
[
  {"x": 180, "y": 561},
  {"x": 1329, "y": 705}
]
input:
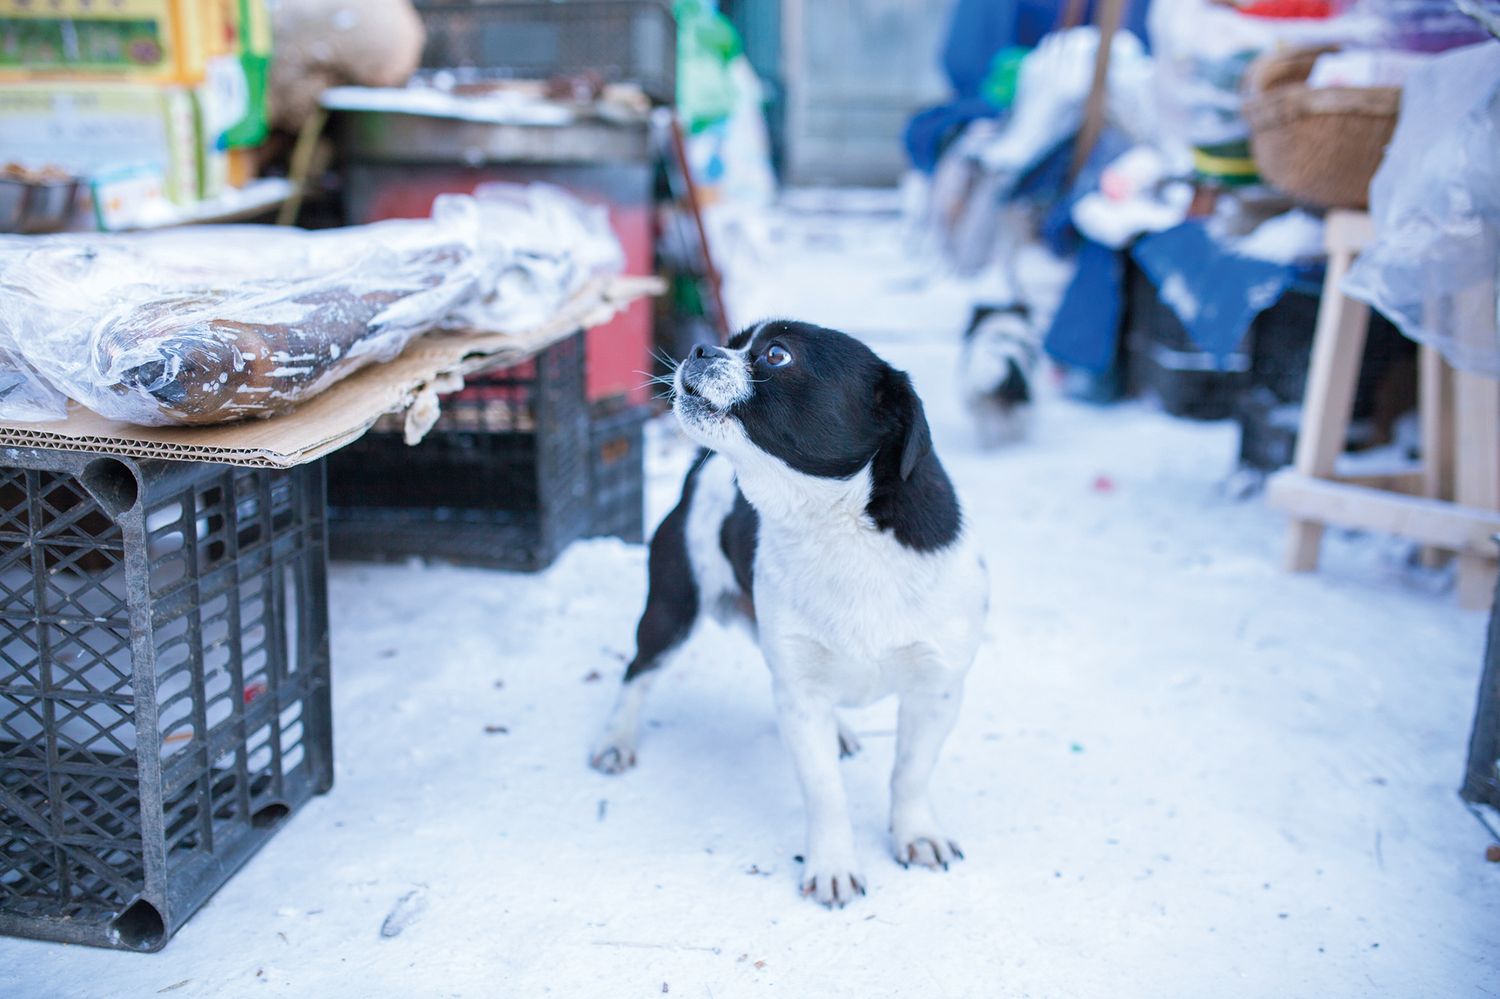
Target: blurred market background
[{"x": 1201, "y": 298}]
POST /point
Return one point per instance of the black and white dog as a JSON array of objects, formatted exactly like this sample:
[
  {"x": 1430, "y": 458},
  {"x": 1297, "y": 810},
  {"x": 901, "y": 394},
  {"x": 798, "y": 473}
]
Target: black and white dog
[
  {"x": 996, "y": 366},
  {"x": 821, "y": 511}
]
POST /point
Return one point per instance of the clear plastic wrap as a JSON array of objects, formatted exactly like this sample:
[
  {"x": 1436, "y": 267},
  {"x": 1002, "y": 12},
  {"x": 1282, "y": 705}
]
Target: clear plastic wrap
[
  {"x": 203, "y": 326},
  {"x": 1436, "y": 206},
  {"x": 24, "y": 393}
]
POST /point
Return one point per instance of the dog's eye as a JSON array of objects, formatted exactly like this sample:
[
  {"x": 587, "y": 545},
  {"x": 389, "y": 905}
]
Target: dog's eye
[{"x": 778, "y": 356}]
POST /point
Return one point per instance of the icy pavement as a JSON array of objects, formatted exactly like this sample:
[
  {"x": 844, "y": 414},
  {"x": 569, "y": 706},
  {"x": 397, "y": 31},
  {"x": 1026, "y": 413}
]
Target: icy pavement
[{"x": 1179, "y": 772}]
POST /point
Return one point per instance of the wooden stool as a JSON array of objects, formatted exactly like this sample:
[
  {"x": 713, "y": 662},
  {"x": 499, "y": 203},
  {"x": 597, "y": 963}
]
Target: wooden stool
[{"x": 1451, "y": 501}]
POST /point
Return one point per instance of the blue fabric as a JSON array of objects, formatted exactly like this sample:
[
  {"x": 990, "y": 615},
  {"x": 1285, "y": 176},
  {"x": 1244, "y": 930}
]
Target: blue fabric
[
  {"x": 1086, "y": 329},
  {"x": 981, "y": 28},
  {"x": 1215, "y": 293},
  {"x": 977, "y": 32},
  {"x": 1049, "y": 177},
  {"x": 930, "y": 130}
]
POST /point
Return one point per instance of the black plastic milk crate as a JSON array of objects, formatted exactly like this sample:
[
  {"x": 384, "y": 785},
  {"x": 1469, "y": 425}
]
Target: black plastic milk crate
[
  {"x": 502, "y": 479},
  {"x": 164, "y": 688},
  {"x": 617, "y": 449}
]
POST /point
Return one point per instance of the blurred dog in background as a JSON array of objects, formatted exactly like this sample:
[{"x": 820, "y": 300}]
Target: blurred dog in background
[{"x": 997, "y": 368}]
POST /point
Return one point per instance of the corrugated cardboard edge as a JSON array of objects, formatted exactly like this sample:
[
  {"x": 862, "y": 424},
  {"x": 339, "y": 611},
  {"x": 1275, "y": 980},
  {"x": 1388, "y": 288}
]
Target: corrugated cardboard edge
[{"x": 348, "y": 409}]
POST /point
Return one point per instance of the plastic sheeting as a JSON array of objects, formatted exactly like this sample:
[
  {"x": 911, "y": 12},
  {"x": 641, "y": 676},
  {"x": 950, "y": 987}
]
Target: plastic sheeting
[
  {"x": 1435, "y": 264},
  {"x": 209, "y": 325}
]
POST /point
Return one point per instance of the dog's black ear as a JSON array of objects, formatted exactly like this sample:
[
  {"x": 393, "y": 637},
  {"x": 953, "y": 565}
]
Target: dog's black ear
[{"x": 896, "y": 398}]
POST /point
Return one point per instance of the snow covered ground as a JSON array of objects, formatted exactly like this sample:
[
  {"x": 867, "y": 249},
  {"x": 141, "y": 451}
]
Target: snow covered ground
[{"x": 1179, "y": 772}]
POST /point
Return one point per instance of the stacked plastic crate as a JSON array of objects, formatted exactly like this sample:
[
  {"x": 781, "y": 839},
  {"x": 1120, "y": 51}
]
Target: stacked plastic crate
[{"x": 164, "y": 684}]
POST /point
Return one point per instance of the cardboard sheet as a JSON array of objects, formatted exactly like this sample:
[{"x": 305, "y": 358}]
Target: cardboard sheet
[{"x": 344, "y": 412}]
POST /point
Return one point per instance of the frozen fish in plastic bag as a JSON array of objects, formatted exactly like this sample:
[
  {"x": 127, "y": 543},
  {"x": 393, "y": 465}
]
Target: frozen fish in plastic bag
[
  {"x": 539, "y": 246},
  {"x": 204, "y": 326},
  {"x": 187, "y": 331}
]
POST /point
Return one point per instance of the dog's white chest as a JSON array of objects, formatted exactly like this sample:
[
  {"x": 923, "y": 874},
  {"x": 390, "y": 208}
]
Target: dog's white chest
[{"x": 862, "y": 617}]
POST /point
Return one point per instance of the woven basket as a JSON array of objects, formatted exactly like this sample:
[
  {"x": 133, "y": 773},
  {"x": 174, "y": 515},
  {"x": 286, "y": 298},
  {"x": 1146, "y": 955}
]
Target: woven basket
[{"x": 1320, "y": 146}]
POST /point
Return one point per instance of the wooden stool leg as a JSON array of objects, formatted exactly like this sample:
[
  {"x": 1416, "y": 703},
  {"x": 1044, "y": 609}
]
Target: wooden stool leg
[
  {"x": 1338, "y": 347},
  {"x": 1476, "y": 401},
  {"x": 1435, "y": 408}
]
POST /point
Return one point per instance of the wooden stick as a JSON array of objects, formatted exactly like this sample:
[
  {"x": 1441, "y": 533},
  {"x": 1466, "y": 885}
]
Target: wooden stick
[
  {"x": 1070, "y": 15},
  {"x": 1467, "y": 530},
  {"x": 1109, "y": 15},
  {"x": 1476, "y": 404},
  {"x": 300, "y": 165},
  {"x": 1435, "y": 410},
  {"x": 695, "y": 208},
  {"x": 1333, "y": 373}
]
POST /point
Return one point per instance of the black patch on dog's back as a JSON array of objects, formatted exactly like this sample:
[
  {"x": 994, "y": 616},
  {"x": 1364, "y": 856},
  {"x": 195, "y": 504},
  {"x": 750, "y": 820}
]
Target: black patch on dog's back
[
  {"x": 672, "y": 589},
  {"x": 737, "y": 538}
]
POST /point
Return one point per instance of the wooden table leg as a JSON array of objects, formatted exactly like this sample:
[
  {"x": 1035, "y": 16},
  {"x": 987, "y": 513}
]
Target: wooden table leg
[
  {"x": 1435, "y": 409},
  {"x": 1476, "y": 403},
  {"x": 1333, "y": 373}
]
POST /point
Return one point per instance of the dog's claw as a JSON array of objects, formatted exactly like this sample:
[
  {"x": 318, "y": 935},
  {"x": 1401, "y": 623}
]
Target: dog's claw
[
  {"x": 932, "y": 852},
  {"x": 833, "y": 891},
  {"x": 848, "y": 743},
  {"x": 612, "y": 760}
]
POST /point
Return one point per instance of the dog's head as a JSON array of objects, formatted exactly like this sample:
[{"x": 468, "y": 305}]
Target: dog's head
[{"x": 818, "y": 400}]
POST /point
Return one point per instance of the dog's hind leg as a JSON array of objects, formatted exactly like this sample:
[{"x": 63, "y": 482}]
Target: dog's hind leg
[{"x": 671, "y": 610}]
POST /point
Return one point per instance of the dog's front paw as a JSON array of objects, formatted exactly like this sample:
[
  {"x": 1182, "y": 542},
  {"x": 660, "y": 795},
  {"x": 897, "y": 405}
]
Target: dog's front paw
[
  {"x": 612, "y": 756},
  {"x": 831, "y": 883},
  {"x": 926, "y": 849}
]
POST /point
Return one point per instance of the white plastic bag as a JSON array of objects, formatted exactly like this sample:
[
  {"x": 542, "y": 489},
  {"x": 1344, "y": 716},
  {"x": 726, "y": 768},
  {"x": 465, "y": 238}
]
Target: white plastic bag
[
  {"x": 1435, "y": 202},
  {"x": 1053, "y": 85}
]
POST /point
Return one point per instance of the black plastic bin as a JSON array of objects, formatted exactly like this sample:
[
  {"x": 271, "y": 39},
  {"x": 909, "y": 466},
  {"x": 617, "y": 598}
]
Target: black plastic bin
[
  {"x": 164, "y": 684},
  {"x": 1280, "y": 348},
  {"x": 502, "y": 480},
  {"x": 1165, "y": 361}
]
